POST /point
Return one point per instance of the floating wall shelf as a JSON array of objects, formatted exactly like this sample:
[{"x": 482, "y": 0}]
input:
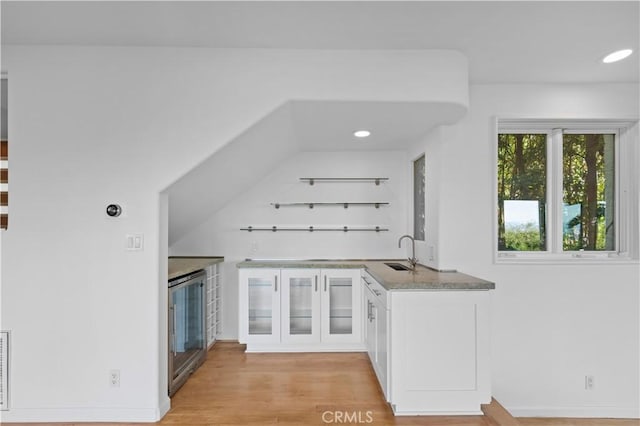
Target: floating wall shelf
[
  {"x": 314, "y": 229},
  {"x": 375, "y": 180},
  {"x": 376, "y": 204}
]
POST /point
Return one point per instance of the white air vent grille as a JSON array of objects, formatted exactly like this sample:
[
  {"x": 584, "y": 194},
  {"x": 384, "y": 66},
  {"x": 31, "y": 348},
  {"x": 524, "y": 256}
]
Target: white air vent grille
[{"x": 4, "y": 370}]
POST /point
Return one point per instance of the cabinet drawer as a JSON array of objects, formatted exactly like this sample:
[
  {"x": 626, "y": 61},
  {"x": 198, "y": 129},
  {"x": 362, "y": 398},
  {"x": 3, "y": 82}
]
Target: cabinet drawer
[{"x": 376, "y": 288}]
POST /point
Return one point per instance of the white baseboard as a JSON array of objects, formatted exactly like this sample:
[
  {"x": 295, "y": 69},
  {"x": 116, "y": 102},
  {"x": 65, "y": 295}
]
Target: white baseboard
[
  {"x": 583, "y": 412},
  {"x": 81, "y": 415},
  {"x": 164, "y": 408},
  {"x": 324, "y": 347},
  {"x": 227, "y": 337}
]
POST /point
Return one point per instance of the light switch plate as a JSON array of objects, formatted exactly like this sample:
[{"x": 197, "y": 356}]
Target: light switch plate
[{"x": 134, "y": 242}]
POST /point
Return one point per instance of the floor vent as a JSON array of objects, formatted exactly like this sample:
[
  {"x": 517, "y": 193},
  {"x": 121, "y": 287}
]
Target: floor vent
[{"x": 4, "y": 370}]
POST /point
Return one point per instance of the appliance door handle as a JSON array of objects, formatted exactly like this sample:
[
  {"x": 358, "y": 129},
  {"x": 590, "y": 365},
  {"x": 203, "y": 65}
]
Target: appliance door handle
[
  {"x": 173, "y": 330},
  {"x": 325, "y": 283},
  {"x": 276, "y": 282},
  {"x": 316, "y": 283}
]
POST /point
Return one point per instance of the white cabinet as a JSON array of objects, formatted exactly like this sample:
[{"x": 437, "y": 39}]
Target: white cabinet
[
  {"x": 380, "y": 317},
  {"x": 340, "y": 307},
  {"x": 429, "y": 349},
  {"x": 259, "y": 294},
  {"x": 439, "y": 352},
  {"x": 376, "y": 340},
  {"x": 213, "y": 297},
  {"x": 300, "y": 309},
  {"x": 370, "y": 332},
  {"x": 300, "y": 301}
]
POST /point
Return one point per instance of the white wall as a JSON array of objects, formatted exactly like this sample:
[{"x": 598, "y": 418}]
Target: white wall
[
  {"x": 552, "y": 324},
  {"x": 91, "y": 126},
  {"x": 431, "y": 147},
  {"x": 221, "y": 233}
]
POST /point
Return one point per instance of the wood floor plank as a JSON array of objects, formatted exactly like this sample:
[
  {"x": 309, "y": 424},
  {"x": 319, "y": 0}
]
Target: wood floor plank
[{"x": 498, "y": 415}]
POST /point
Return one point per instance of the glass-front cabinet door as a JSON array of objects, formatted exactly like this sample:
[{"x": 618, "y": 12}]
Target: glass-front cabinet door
[
  {"x": 300, "y": 305},
  {"x": 262, "y": 315},
  {"x": 341, "y": 305}
]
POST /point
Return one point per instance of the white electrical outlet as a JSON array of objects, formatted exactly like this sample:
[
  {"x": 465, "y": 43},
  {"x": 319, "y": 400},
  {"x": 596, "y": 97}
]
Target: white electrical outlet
[
  {"x": 114, "y": 378},
  {"x": 588, "y": 382}
]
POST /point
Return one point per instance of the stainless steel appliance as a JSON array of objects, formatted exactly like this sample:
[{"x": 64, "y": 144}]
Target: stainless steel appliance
[{"x": 187, "y": 337}]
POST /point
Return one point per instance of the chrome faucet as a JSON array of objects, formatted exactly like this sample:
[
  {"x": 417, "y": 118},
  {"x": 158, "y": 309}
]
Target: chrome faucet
[{"x": 412, "y": 260}]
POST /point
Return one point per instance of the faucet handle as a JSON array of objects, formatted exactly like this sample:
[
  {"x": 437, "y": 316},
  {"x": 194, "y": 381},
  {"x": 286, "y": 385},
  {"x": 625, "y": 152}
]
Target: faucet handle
[{"x": 413, "y": 261}]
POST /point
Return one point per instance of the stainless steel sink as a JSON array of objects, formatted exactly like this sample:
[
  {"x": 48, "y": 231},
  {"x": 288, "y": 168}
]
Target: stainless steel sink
[{"x": 398, "y": 266}]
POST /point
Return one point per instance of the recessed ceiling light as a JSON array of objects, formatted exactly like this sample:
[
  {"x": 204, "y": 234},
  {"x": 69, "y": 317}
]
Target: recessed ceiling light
[
  {"x": 617, "y": 56},
  {"x": 361, "y": 133}
]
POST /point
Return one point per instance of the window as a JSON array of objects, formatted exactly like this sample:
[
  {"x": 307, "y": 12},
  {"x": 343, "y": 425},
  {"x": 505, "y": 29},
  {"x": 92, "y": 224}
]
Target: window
[
  {"x": 419, "y": 198},
  {"x": 588, "y": 191},
  {"x": 558, "y": 190},
  {"x": 522, "y": 191}
]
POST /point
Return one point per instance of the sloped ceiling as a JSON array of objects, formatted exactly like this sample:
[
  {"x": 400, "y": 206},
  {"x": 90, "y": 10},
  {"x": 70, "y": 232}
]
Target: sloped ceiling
[
  {"x": 230, "y": 171},
  {"x": 294, "y": 127}
]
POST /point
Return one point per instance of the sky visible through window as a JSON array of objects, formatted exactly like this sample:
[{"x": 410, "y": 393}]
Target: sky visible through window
[{"x": 518, "y": 213}]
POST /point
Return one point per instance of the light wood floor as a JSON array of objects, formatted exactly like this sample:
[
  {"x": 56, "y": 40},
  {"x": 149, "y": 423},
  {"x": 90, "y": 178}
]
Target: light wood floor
[{"x": 235, "y": 388}]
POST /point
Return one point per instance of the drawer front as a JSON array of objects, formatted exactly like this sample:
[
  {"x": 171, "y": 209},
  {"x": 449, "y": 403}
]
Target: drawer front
[{"x": 376, "y": 288}]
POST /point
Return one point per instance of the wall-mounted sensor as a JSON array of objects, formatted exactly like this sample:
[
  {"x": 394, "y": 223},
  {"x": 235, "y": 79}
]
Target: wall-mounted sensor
[{"x": 114, "y": 210}]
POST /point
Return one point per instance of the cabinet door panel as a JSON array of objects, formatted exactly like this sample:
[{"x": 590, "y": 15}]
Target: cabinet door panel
[
  {"x": 260, "y": 316},
  {"x": 300, "y": 305},
  {"x": 450, "y": 339},
  {"x": 340, "y": 305},
  {"x": 439, "y": 351},
  {"x": 341, "y": 292},
  {"x": 260, "y": 306},
  {"x": 382, "y": 348},
  {"x": 372, "y": 333}
]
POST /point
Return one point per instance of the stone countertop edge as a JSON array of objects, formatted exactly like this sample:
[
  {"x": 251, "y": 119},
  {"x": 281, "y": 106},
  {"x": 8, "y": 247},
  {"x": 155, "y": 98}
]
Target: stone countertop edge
[
  {"x": 182, "y": 265},
  {"x": 423, "y": 279}
]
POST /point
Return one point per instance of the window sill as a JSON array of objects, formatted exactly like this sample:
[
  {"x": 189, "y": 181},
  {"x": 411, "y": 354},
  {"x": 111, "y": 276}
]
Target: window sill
[{"x": 564, "y": 259}]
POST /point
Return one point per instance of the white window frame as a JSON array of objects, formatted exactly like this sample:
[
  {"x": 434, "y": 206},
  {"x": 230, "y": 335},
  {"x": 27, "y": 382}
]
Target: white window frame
[
  {"x": 413, "y": 197},
  {"x": 625, "y": 182}
]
